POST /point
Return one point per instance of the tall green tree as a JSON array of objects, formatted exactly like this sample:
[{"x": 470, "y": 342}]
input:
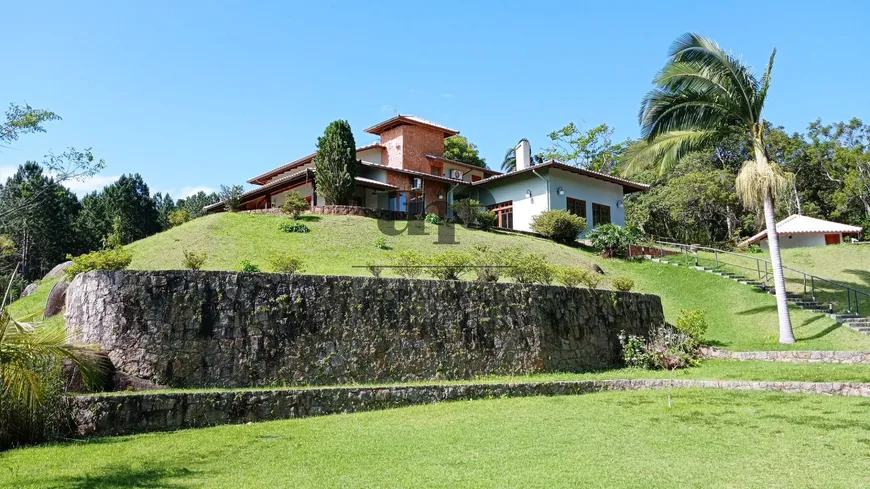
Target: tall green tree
[
  {"x": 196, "y": 202},
  {"x": 592, "y": 149},
  {"x": 42, "y": 225},
  {"x": 841, "y": 153},
  {"x": 704, "y": 94},
  {"x": 335, "y": 163},
  {"x": 129, "y": 200},
  {"x": 165, "y": 205},
  {"x": 459, "y": 148}
]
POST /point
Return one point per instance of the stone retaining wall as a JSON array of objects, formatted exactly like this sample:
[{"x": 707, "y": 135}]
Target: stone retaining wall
[
  {"x": 797, "y": 356},
  {"x": 100, "y": 415},
  {"x": 228, "y": 329}
]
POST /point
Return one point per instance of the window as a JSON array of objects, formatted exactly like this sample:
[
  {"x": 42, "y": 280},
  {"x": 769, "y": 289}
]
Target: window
[
  {"x": 600, "y": 214},
  {"x": 403, "y": 201},
  {"x": 436, "y": 170},
  {"x": 505, "y": 213},
  {"x": 475, "y": 178},
  {"x": 576, "y": 207}
]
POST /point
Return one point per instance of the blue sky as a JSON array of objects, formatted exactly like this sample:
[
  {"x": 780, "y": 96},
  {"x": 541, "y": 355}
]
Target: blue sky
[{"x": 196, "y": 95}]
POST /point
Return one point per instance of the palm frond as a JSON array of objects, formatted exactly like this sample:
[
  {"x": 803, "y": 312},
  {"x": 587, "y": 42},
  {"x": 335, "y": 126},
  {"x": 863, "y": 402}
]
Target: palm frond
[
  {"x": 765, "y": 85},
  {"x": 666, "y": 150},
  {"x": 694, "y": 48},
  {"x": 664, "y": 112}
]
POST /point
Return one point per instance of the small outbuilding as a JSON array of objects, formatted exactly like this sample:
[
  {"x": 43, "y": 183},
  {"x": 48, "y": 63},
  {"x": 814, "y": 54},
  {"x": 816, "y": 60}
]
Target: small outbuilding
[{"x": 797, "y": 230}]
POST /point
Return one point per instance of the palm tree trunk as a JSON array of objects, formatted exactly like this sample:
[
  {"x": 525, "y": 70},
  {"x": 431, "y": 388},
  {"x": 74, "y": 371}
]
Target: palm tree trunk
[{"x": 786, "y": 335}]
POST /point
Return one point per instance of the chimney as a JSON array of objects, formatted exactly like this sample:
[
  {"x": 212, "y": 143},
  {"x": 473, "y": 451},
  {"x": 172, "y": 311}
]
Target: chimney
[{"x": 524, "y": 154}]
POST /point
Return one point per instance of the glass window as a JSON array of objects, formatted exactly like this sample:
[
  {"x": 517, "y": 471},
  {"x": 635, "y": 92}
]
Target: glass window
[
  {"x": 505, "y": 213},
  {"x": 576, "y": 207},
  {"x": 600, "y": 214}
]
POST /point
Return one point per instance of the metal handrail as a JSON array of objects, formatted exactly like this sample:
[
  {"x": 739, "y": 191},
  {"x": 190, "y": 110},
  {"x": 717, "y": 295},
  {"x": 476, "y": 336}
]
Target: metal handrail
[{"x": 768, "y": 272}]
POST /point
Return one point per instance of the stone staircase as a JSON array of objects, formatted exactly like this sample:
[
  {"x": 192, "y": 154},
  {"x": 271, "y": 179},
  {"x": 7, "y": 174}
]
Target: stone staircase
[{"x": 852, "y": 321}]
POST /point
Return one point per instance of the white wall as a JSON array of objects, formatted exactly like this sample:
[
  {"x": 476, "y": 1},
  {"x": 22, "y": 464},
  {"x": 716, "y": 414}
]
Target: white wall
[
  {"x": 589, "y": 189},
  {"x": 372, "y": 155},
  {"x": 799, "y": 240},
  {"x": 515, "y": 188}
]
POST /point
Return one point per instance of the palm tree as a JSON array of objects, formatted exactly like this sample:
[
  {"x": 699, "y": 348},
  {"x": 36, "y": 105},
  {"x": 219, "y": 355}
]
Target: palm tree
[
  {"x": 509, "y": 163},
  {"x": 25, "y": 351},
  {"x": 701, "y": 96}
]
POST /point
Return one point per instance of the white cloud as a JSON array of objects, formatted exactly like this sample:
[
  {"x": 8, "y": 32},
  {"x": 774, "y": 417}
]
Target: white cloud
[
  {"x": 89, "y": 184},
  {"x": 186, "y": 192},
  {"x": 6, "y": 172}
]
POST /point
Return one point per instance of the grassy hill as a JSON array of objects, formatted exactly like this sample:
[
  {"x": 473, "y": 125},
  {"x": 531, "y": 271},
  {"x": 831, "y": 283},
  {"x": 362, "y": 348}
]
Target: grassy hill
[{"x": 740, "y": 318}]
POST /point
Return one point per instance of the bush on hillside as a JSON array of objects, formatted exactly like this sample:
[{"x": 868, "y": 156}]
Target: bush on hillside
[
  {"x": 248, "y": 266},
  {"x": 528, "y": 268},
  {"x": 179, "y": 217},
  {"x": 291, "y": 226},
  {"x": 487, "y": 220},
  {"x": 693, "y": 322},
  {"x": 111, "y": 259},
  {"x": 408, "y": 263},
  {"x": 381, "y": 243},
  {"x": 487, "y": 263},
  {"x": 571, "y": 276},
  {"x": 193, "y": 260},
  {"x": 613, "y": 240},
  {"x": 286, "y": 263},
  {"x": 294, "y": 204},
  {"x": 466, "y": 210},
  {"x": 449, "y": 264},
  {"x": 433, "y": 218},
  {"x": 666, "y": 348},
  {"x": 558, "y": 225},
  {"x": 622, "y": 284}
]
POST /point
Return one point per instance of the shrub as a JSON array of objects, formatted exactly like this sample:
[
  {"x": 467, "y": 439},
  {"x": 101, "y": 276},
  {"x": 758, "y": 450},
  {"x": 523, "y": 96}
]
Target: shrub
[
  {"x": 286, "y": 263},
  {"x": 754, "y": 248},
  {"x": 622, "y": 284},
  {"x": 247, "y": 266},
  {"x": 381, "y": 243},
  {"x": 612, "y": 240},
  {"x": 449, "y": 264},
  {"x": 666, "y": 348},
  {"x": 467, "y": 210},
  {"x": 693, "y": 322},
  {"x": 571, "y": 276},
  {"x": 487, "y": 264},
  {"x": 232, "y": 197},
  {"x": 193, "y": 260},
  {"x": 528, "y": 268},
  {"x": 374, "y": 269},
  {"x": 590, "y": 279},
  {"x": 487, "y": 220},
  {"x": 291, "y": 226},
  {"x": 179, "y": 217},
  {"x": 558, "y": 225},
  {"x": 433, "y": 218},
  {"x": 408, "y": 263},
  {"x": 112, "y": 259},
  {"x": 294, "y": 204}
]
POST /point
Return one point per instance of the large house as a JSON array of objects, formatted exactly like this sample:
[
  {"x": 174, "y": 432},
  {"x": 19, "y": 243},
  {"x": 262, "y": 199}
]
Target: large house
[{"x": 406, "y": 171}]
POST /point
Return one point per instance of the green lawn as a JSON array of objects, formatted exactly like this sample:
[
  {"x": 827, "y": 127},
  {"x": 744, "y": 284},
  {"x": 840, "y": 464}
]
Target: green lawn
[
  {"x": 709, "y": 438},
  {"x": 740, "y": 318}
]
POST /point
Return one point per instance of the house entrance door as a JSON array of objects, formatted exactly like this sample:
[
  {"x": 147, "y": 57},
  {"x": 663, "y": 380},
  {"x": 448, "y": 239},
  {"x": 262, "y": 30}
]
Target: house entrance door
[{"x": 832, "y": 239}]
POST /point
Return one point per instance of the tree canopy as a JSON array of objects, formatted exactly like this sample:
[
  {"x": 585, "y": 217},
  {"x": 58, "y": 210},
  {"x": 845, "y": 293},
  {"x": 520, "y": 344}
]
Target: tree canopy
[
  {"x": 335, "y": 163},
  {"x": 459, "y": 148}
]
